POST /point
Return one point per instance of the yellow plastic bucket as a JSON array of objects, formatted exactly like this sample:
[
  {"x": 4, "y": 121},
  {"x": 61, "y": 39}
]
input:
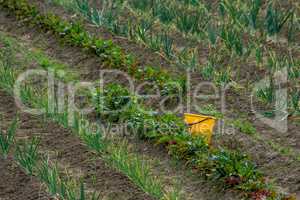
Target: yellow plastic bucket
[{"x": 200, "y": 125}]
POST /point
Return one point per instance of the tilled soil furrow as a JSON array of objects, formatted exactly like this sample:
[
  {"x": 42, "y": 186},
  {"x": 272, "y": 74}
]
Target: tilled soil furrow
[
  {"x": 69, "y": 150},
  {"x": 16, "y": 185}
]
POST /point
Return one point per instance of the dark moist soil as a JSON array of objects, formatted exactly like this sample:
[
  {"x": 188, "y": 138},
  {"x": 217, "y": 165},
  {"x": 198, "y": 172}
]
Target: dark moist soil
[
  {"x": 68, "y": 150},
  {"x": 16, "y": 185},
  {"x": 274, "y": 165}
]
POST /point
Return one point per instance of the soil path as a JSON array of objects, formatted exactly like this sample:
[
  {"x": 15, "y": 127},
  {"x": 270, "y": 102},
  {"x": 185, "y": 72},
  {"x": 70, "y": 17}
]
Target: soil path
[{"x": 16, "y": 185}]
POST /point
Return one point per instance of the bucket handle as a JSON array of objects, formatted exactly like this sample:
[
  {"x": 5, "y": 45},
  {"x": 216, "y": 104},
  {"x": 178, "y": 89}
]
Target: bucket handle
[{"x": 191, "y": 124}]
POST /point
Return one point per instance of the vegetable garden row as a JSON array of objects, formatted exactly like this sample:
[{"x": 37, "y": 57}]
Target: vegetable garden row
[{"x": 230, "y": 168}]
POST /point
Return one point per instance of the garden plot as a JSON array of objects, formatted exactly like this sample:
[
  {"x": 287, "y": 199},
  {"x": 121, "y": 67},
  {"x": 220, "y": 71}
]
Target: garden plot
[{"x": 262, "y": 143}]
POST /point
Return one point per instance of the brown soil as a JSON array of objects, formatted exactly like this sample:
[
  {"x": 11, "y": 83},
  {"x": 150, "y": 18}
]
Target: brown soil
[
  {"x": 16, "y": 185},
  {"x": 70, "y": 153}
]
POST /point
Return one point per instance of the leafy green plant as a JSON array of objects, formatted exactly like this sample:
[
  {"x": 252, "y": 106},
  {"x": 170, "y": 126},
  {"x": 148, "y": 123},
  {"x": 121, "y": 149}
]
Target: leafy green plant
[
  {"x": 228, "y": 8},
  {"x": 210, "y": 110},
  {"x": 142, "y": 29},
  {"x": 27, "y": 155},
  {"x": 165, "y": 14},
  {"x": 245, "y": 126},
  {"x": 190, "y": 2},
  {"x": 183, "y": 146},
  {"x": 83, "y": 7},
  {"x": 225, "y": 164},
  {"x": 232, "y": 164},
  {"x": 113, "y": 100},
  {"x": 6, "y": 140}
]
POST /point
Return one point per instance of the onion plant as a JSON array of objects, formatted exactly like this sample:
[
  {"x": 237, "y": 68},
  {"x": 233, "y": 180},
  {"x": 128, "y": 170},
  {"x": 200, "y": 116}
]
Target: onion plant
[
  {"x": 208, "y": 71},
  {"x": 187, "y": 22},
  {"x": 154, "y": 42},
  {"x": 167, "y": 45},
  {"x": 252, "y": 16},
  {"x": 232, "y": 39},
  {"x": 212, "y": 33},
  {"x": 275, "y": 19},
  {"x": 142, "y": 5},
  {"x": 7, "y": 139},
  {"x": 50, "y": 176},
  {"x": 27, "y": 155},
  {"x": 165, "y": 14},
  {"x": 7, "y": 80},
  {"x": 295, "y": 102},
  {"x": 136, "y": 170}
]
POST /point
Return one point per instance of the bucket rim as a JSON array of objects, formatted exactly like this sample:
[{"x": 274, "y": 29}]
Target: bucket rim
[{"x": 199, "y": 115}]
